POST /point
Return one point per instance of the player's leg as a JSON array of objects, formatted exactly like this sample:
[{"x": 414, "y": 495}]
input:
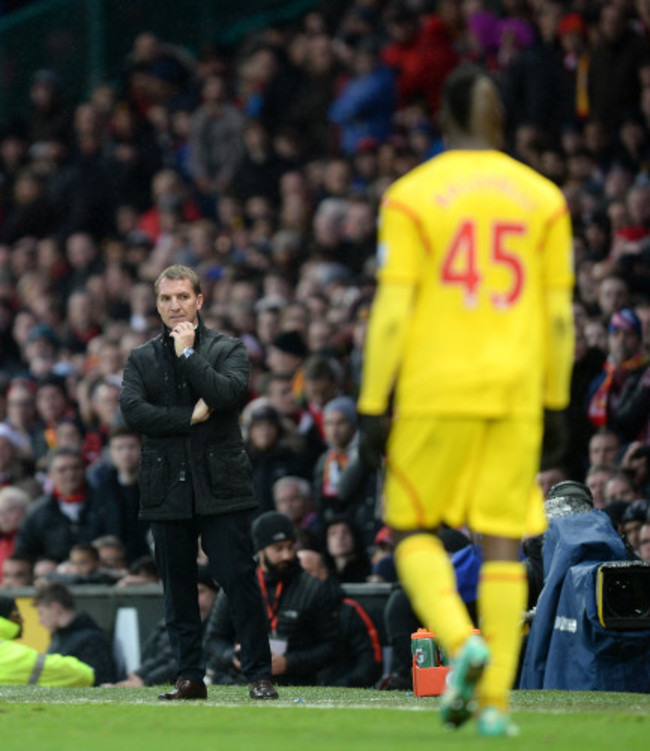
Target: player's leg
[
  {"x": 426, "y": 477},
  {"x": 507, "y": 505},
  {"x": 502, "y": 595}
]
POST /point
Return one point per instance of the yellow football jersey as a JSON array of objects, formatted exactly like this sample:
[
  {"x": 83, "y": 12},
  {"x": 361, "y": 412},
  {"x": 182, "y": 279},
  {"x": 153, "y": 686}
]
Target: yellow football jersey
[{"x": 481, "y": 238}]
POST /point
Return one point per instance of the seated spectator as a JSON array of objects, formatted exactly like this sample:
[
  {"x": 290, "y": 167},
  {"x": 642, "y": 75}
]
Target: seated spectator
[
  {"x": 63, "y": 517},
  {"x": 112, "y": 553},
  {"x": 633, "y": 518},
  {"x": 340, "y": 426},
  {"x": 364, "y": 107},
  {"x": 158, "y": 665},
  {"x": 16, "y": 572},
  {"x": 345, "y": 556},
  {"x": 604, "y": 446},
  {"x": 595, "y": 480},
  {"x": 620, "y": 395},
  {"x": 302, "y": 625},
  {"x": 141, "y": 571},
  {"x": 644, "y": 541},
  {"x": 272, "y": 446},
  {"x": 83, "y": 567},
  {"x": 52, "y": 406},
  {"x": 13, "y": 508},
  {"x": 359, "y": 661},
  {"x": 382, "y": 560},
  {"x": 73, "y": 633},
  {"x": 14, "y": 465},
  {"x": 21, "y": 665},
  {"x": 115, "y": 485},
  {"x": 292, "y": 497},
  {"x": 619, "y": 487}
]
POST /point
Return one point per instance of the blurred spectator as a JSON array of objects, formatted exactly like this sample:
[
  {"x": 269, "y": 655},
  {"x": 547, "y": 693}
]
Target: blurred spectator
[
  {"x": 616, "y": 58},
  {"x": 633, "y": 519},
  {"x": 24, "y": 665},
  {"x": 115, "y": 484},
  {"x": 215, "y": 143},
  {"x": 72, "y": 633},
  {"x": 273, "y": 449},
  {"x": 292, "y": 497},
  {"x": 359, "y": 659},
  {"x": 619, "y": 399},
  {"x": 65, "y": 515},
  {"x": 345, "y": 555},
  {"x": 13, "y": 508},
  {"x": 158, "y": 664},
  {"x": 364, "y": 107},
  {"x": 16, "y": 572}
]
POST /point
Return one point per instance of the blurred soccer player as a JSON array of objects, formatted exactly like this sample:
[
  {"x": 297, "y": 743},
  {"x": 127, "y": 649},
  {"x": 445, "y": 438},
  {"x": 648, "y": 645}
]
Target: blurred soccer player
[{"x": 472, "y": 326}]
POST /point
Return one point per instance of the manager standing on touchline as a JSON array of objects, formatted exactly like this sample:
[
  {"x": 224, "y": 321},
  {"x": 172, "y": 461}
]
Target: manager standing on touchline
[{"x": 182, "y": 391}]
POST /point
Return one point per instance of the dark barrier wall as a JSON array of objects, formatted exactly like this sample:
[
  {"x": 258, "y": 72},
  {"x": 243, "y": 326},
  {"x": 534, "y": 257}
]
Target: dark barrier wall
[{"x": 103, "y": 603}]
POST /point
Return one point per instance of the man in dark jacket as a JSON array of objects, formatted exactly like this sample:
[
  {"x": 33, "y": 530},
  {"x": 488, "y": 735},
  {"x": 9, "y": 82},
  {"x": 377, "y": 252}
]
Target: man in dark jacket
[
  {"x": 182, "y": 391},
  {"x": 73, "y": 633},
  {"x": 66, "y": 516},
  {"x": 302, "y": 624}
]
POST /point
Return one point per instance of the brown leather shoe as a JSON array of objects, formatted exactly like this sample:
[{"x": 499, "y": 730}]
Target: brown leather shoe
[
  {"x": 262, "y": 689},
  {"x": 184, "y": 689}
]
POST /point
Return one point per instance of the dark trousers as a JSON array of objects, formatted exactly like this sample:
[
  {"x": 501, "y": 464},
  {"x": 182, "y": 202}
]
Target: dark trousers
[{"x": 225, "y": 539}]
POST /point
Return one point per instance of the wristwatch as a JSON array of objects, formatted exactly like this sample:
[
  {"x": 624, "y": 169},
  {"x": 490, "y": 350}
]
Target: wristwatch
[{"x": 187, "y": 352}]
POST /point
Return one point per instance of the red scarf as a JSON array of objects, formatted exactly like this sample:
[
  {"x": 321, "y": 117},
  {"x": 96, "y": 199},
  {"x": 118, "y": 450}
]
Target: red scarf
[
  {"x": 335, "y": 463},
  {"x": 74, "y": 498},
  {"x": 615, "y": 377}
]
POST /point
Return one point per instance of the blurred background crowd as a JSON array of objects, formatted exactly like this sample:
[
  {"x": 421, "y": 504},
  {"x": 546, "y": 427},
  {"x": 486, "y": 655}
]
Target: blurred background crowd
[{"x": 261, "y": 166}]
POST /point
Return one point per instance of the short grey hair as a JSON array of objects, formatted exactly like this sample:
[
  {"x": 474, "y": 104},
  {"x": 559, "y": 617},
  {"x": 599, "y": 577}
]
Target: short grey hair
[{"x": 304, "y": 488}]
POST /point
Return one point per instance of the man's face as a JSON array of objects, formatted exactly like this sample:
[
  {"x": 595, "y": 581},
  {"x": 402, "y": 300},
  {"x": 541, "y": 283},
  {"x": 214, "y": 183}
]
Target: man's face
[
  {"x": 16, "y": 573},
  {"x": 320, "y": 390},
  {"x": 48, "y": 615},
  {"x": 617, "y": 488},
  {"x": 623, "y": 345},
  {"x": 51, "y": 403},
  {"x": 644, "y": 543},
  {"x": 596, "y": 483},
  {"x": 612, "y": 295},
  {"x": 282, "y": 398},
  {"x": 125, "y": 452},
  {"x": 82, "y": 563},
  {"x": 112, "y": 557},
  {"x": 603, "y": 449},
  {"x": 632, "y": 532},
  {"x": 279, "y": 557},
  {"x": 338, "y": 429},
  {"x": 177, "y": 302},
  {"x": 290, "y": 502},
  {"x": 339, "y": 540},
  {"x": 11, "y": 514},
  {"x": 67, "y": 473}
]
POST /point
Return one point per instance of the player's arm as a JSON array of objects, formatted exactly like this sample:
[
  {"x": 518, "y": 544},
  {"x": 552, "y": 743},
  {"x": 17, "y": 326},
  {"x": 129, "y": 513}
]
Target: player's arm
[
  {"x": 559, "y": 332},
  {"x": 402, "y": 246},
  {"x": 387, "y": 329},
  {"x": 559, "y": 338}
]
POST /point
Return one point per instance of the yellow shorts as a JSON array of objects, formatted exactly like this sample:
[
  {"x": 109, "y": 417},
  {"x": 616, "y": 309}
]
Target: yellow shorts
[{"x": 465, "y": 471}]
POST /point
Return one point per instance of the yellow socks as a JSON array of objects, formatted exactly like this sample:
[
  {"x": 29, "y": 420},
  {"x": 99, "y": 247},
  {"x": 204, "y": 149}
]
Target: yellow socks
[
  {"x": 428, "y": 578},
  {"x": 502, "y": 594}
]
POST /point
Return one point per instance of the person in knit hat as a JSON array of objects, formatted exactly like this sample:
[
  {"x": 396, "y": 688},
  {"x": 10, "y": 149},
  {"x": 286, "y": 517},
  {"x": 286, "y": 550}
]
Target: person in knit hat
[{"x": 302, "y": 624}]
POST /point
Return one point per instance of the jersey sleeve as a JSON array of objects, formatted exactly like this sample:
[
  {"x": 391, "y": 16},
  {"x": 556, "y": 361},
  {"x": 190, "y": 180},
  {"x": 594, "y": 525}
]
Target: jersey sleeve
[
  {"x": 402, "y": 241},
  {"x": 557, "y": 249}
]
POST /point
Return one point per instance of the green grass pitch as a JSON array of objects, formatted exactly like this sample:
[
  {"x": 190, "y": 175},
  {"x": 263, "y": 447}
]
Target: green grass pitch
[{"x": 307, "y": 719}]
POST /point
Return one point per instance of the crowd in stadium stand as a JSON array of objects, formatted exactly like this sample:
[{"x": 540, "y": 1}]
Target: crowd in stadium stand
[{"x": 262, "y": 167}]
